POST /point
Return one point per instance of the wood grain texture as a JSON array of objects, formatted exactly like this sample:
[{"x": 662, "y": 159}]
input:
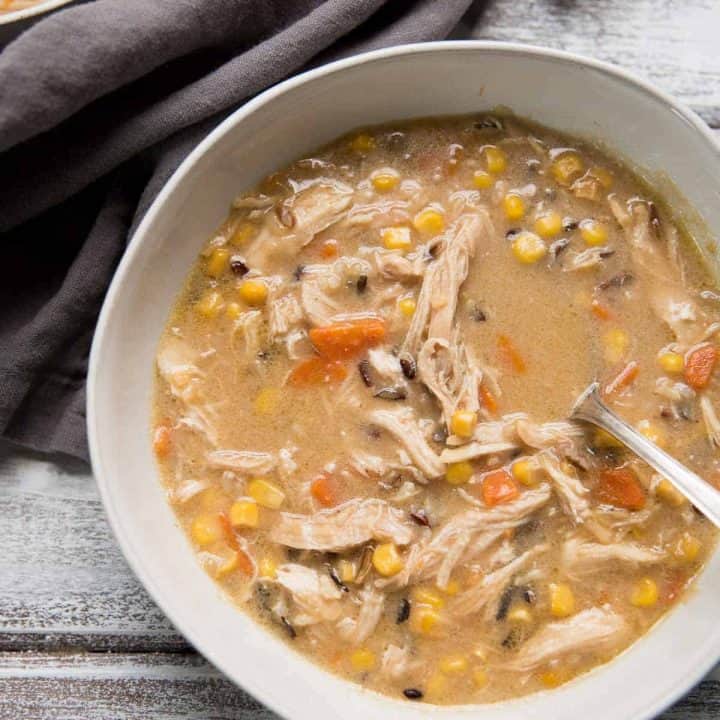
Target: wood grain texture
[
  {"x": 96, "y": 686},
  {"x": 64, "y": 582},
  {"x": 671, "y": 43}
]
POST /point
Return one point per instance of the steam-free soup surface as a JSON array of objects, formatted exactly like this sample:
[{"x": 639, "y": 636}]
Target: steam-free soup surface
[{"x": 361, "y": 402}]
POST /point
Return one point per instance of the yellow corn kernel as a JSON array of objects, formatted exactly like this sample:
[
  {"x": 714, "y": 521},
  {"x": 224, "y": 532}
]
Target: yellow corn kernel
[
  {"x": 407, "y": 306},
  {"x": 645, "y": 593},
  {"x": 480, "y": 677},
  {"x": 233, "y": 310},
  {"x": 267, "y": 400},
  {"x": 669, "y": 494},
  {"x": 218, "y": 262},
  {"x": 528, "y": 248},
  {"x": 525, "y": 472},
  {"x": 267, "y": 567},
  {"x": 385, "y": 180},
  {"x": 265, "y": 493},
  {"x": 427, "y": 596},
  {"x": 210, "y": 305},
  {"x": 602, "y": 175},
  {"x": 244, "y": 232},
  {"x": 387, "y": 560},
  {"x": 550, "y": 679},
  {"x": 514, "y": 206},
  {"x": 567, "y": 167},
  {"x": 453, "y": 588},
  {"x": 253, "y": 292},
  {"x": 616, "y": 343},
  {"x": 436, "y": 686},
  {"x": 562, "y": 600},
  {"x": 396, "y": 238},
  {"x": 463, "y": 422},
  {"x": 483, "y": 180},
  {"x": 653, "y": 433},
  {"x": 603, "y": 439},
  {"x": 520, "y": 614},
  {"x": 593, "y": 232},
  {"x": 346, "y": 571},
  {"x": 244, "y": 513},
  {"x": 496, "y": 159},
  {"x": 459, "y": 473},
  {"x": 362, "y": 143},
  {"x": 453, "y": 664},
  {"x": 549, "y": 225},
  {"x": 206, "y": 529},
  {"x": 687, "y": 548},
  {"x": 362, "y": 660},
  {"x": 429, "y": 221},
  {"x": 424, "y": 620},
  {"x": 671, "y": 362}
]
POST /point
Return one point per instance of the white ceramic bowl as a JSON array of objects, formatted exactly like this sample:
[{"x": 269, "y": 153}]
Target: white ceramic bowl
[{"x": 563, "y": 91}]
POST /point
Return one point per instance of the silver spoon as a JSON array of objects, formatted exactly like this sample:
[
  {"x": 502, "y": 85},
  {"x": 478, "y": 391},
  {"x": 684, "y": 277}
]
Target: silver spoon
[{"x": 590, "y": 408}]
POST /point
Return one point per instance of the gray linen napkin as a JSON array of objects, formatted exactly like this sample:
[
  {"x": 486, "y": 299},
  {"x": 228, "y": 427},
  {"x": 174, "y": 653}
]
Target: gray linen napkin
[{"x": 99, "y": 104}]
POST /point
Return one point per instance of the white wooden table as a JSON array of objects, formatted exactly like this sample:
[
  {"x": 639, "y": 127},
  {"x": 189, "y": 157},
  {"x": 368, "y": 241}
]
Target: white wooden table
[{"x": 79, "y": 637}]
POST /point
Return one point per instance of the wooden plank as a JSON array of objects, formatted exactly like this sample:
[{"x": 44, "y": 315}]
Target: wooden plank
[
  {"x": 64, "y": 580},
  {"x": 106, "y": 686},
  {"x": 673, "y": 44}
]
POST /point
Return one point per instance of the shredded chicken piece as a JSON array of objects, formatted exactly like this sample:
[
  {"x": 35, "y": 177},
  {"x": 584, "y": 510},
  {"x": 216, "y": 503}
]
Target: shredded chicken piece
[
  {"x": 387, "y": 367},
  {"x": 396, "y": 662},
  {"x": 587, "y": 259},
  {"x": 444, "y": 276},
  {"x": 570, "y": 491},
  {"x": 671, "y": 301},
  {"x": 348, "y": 525},
  {"x": 244, "y": 461},
  {"x": 316, "y": 596},
  {"x": 710, "y": 418},
  {"x": 177, "y": 364},
  {"x": 588, "y": 631},
  {"x": 284, "y": 314},
  {"x": 357, "y": 630},
  {"x": 449, "y": 372},
  {"x": 393, "y": 266},
  {"x": 546, "y": 435},
  {"x": 485, "y": 594},
  {"x": 581, "y": 557},
  {"x": 316, "y": 208},
  {"x": 680, "y": 395},
  {"x": 317, "y": 305},
  {"x": 475, "y": 450},
  {"x": 186, "y": 490},
  {"x": 249, "y": 326},
  {"x": 466, "y": 535},
  {"x": 403, "y": 425}
]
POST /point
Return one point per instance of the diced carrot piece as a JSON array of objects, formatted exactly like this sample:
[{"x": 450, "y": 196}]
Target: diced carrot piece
[
  {"x": 347, "y": 339},
  {"x": 329, "y": 249},
  {"x": 623, "y": 379},
  {"x": 162, "y": 441},
  {"x": 498, "y": 487},
  {"x": 317, "y": 371},
  {"x": 322, "y": 488},
  {"x": 699, "y": 366},
  {"x": 599, "y": 310},
  {"x": 621, "y": 488},
  {"x": 488, "y": 399},
  {"x": 245, "y": 564},
  {"x": 510, "y": 355},
  {"x": 228, "y": 531}
]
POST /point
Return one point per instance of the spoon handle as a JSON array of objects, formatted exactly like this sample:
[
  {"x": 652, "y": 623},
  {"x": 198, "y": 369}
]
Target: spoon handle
[{"x": 591, "y": 409}]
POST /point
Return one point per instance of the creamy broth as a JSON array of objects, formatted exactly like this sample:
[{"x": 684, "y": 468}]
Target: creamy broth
[{"x": 360, "y": 412}]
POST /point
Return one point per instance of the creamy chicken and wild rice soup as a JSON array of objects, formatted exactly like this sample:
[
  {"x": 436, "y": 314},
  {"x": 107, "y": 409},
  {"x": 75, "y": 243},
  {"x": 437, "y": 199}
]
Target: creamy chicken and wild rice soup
[{"x": 361, "y": 406}]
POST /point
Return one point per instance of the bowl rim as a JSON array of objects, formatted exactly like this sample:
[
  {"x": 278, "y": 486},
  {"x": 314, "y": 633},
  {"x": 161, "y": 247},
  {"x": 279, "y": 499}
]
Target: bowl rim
[
  {"x": 664, "y": 699},
  {"x": 28, "y": 12}
]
